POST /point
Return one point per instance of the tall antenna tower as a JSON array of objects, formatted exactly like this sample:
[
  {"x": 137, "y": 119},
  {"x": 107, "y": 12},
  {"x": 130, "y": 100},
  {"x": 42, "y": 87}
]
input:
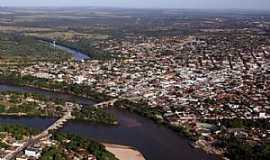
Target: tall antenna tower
[{"x": 54, "y": 46}]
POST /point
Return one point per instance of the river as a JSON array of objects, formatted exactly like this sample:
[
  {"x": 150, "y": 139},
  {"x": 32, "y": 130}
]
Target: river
[
  {"x": 77, "y": 55},
  {"x": 154, "y": 141}
]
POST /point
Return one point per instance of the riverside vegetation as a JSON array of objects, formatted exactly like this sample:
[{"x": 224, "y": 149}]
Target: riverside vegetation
[
  {"x": 19, "y": 48},
  {"x": 65, "y": 144},
  {"x": 29, "y": 104},
  {"x": 95, "y": 115},
  {"x": 73, "y": 143},
  {"x": 87, "y": 91},
  {"x": 76, "y": 89}
]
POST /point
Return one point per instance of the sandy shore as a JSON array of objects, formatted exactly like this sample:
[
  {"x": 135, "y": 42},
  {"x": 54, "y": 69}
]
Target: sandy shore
[{"x": 124, "y": 152}]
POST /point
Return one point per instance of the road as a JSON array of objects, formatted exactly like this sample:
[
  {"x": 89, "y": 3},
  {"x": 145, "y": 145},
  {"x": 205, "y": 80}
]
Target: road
[{"x": 56, "y": 125}]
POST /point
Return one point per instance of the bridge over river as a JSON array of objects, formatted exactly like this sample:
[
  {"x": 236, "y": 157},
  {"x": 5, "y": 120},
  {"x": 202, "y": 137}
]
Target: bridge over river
[{"x": 56, "y": 125}]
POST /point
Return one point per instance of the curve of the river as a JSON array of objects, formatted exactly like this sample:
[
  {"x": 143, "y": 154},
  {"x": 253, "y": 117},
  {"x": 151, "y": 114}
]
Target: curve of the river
[
  {"x": 78, "y": 56},
  {"x": 154, "y": 141}
]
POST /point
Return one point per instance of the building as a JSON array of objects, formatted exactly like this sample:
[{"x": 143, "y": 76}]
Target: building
[{"x": 33, "y": 152}]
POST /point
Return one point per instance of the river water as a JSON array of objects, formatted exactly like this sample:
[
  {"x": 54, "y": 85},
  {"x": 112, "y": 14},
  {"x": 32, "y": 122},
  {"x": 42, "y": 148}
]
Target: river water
[
  {"x": 154, "y": 141},
  {"x": 77, "y": 55}
]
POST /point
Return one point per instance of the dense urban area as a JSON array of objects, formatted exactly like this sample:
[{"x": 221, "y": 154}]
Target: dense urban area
[{"x": 204, "y": 74}]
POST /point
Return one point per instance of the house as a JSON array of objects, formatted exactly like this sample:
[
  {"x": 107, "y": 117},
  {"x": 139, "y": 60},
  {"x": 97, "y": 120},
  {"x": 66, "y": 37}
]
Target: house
[{"x": 33, "y": 152}]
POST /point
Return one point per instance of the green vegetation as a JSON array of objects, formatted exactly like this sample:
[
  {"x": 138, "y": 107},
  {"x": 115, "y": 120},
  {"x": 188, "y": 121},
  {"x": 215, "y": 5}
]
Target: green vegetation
[
  {"x": 23, "y": 108},
  {"x": 87, "y": 91},
  {"x": 18, "y": 131},
  {"x": 74, "y": 143},
  {"x": 91, "y": 146},
  {"x": 142, "y": 109},
  {"x": 18, "y": 47},
  {"x": 95, "y": 115},
  {"x": 3, "y": 145},
  {"x": 30, "y": 105},
  {"x": 210, "y": 101},
  {"x": 76, "y": 89},
  {"x": 244, "y": 123},
  {"x": 183, "y": 131},
  {"x": 87, "y": 46},
  {"x": 16, "y": 103},
  {"x": 236, "y": 149},
  {"x": 53, "y": 153},
  {"x": 30, "y": 108},
  {"x": 155, "y": 115},
  {"x": 2, "y": 108},
  {"x": 17, "y": 95}
]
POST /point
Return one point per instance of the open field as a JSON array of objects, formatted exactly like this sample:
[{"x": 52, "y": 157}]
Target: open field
[{"x": 16, "y": 47}]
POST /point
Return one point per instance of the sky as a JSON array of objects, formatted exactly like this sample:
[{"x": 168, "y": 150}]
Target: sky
[{"x": 200, "y": 4}]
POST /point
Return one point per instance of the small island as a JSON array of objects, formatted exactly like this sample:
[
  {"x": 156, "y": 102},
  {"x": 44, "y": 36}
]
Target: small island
[
  {"x": 34, "y": 105},
  {"x": 95, "y": 115}
]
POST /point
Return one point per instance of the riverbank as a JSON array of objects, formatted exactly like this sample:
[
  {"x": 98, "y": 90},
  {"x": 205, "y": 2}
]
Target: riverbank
[
  {"x": 18, "y": 138},
  {"x": 13, "y": 78},
  {"x": 32, "y": 105},
  {"x": 124, "y": 152},
  {"x": 80, "y": 50},
  {"x": 133, "y": 130},
  {"x": 29, "y": 81},
  {"x": 155, "y": 115},
  {"x": 87, "y": 92}
]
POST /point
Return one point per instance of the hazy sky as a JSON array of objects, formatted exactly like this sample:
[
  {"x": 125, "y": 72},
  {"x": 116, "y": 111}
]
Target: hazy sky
[{"x": 242, "y": 4}]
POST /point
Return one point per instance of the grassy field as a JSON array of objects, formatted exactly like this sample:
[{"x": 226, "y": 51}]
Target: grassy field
[{"x": 17, "y": 47}]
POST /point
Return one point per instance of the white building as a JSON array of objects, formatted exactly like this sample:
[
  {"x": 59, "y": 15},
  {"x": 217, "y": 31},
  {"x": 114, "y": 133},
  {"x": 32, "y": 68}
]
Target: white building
[
  {"x": 33, "y": 152},
  {"x": 79, "y": 79},
  {"x": 262, "y": 115}
]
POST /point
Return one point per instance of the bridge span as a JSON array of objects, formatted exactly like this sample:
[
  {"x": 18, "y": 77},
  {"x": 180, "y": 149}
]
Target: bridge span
[{"x": 56, "y": 125}]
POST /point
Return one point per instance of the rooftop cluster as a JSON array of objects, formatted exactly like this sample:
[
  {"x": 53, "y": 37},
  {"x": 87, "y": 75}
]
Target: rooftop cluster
[{"x": 209, "y": 78}]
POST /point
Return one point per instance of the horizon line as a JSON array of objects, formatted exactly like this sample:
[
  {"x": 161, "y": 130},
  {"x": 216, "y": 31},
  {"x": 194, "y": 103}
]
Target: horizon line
[
  {"x": 136, "y": 8},
  {"x": 125, "y": 7}
]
